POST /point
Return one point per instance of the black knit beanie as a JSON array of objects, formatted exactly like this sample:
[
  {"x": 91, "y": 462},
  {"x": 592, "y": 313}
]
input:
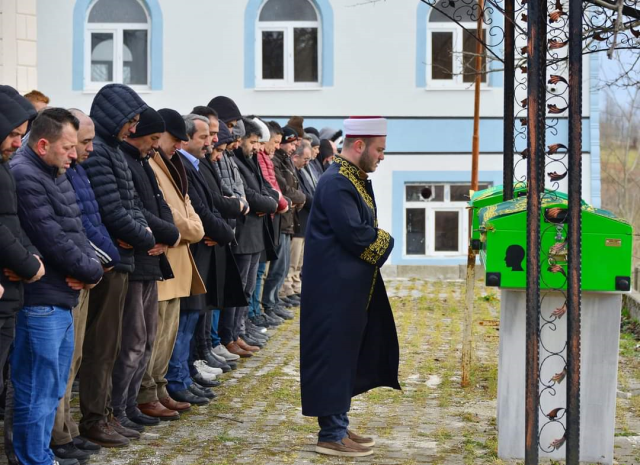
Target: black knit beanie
[{"x": 150, "y": 123}]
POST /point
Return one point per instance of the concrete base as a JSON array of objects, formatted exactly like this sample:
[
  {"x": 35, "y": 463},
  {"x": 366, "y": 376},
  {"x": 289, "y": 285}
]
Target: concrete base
[{"x": 599, "y": 374}]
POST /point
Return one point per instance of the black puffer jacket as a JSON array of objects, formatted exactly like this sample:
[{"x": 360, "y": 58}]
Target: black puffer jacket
[
  {"x": 16, "y": 251},
  {"x": 155, "y": 210},
  {"x": 52, "y": 219},
  {"x": 113, "y": 106}
]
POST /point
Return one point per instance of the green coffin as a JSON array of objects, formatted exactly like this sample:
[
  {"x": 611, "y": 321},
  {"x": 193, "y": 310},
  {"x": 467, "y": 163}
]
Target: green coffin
[{"x": 607, "y": 243}]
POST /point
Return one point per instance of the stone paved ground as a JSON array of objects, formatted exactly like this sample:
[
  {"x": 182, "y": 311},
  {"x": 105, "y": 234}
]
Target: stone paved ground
[{"x": 256, "y": 419}]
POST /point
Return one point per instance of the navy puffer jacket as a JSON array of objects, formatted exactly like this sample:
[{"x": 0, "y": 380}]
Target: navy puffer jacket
[
  {"x": 97, "y": 234},
  {"x": 16, "y": 251},
  {"x": 108, "y": 171},
  {"x": 51, "y": 218}
]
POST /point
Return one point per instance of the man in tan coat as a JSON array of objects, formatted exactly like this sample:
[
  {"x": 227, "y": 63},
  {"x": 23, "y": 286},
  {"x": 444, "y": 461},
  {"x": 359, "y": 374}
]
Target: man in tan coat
[{"x": 154, "y": 400}]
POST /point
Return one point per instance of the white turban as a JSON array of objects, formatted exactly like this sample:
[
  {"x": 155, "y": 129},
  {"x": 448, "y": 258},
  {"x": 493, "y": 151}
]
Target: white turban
[{"x": 365, "y": 126}]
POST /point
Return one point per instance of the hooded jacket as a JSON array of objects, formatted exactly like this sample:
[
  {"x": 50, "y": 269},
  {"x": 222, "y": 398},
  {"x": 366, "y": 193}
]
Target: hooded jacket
[
  {"x": 16, "y": 252},
  {"x": 51, "y": 218},
  {"x": 113, "y": 106}
]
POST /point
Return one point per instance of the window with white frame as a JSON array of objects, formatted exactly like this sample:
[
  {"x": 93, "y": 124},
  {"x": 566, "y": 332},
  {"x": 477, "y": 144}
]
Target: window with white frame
[
  {"x": 288, "y": 44},
  {"x": 436, "y": 219},
  {"x": 117, "y": 44},
  {"x": 452, "y": 48}
]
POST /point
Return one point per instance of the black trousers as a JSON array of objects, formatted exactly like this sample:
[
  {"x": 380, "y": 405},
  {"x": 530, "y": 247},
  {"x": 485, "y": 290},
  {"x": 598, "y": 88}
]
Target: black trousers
[{"x": 232, "y": 318}]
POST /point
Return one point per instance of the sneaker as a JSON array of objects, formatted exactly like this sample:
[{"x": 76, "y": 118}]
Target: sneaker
[
  {"x": 207, "y": 376},
  {"x": 344, "y": 448},
  {"x": 222, "y": 351},
  {"x": 203, "y": 368},
  {"x": 275, "y": 318},
  {"x": 61, "y": 461},
  {"x": 251, "y": 325},
  {"x": 283, "y": 313}
]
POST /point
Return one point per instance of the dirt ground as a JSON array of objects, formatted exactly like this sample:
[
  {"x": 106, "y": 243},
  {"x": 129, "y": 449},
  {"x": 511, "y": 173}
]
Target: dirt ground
[{"x": 257, "y": 419}]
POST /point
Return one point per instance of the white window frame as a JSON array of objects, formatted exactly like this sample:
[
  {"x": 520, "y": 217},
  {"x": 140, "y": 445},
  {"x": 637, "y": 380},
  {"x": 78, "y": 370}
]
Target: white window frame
[
  {"x": 456, "y": 81},
  {"x": 117, "y": 29},
  {"x": 289, "y": 69},
  {"x": 431, "y": 208}
]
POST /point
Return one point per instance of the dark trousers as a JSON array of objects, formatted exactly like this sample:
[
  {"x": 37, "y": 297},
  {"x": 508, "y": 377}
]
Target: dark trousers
[
  {"x": 140, "y": 323},
  {"x": 215, "y": 321},
  {"x": 232, "y": 319},
  {"x": 7, "y": 334},
  {"x": 254, "y": 305},
  {"x": 333, "y": 428},
  {"x": 101, "y": 347},
  {"x": 278, "y": 270},
  {"x": 202, "y": 339},
  {"x": 179, "y": 376}
]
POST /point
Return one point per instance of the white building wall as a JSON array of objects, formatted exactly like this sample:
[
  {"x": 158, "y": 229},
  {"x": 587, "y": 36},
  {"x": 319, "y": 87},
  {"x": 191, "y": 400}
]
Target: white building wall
[{"x": 18, "y": 44}]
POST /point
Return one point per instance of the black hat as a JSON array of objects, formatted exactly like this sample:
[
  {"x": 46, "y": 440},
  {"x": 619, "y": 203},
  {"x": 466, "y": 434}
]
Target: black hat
[
  {"x": 174, "y": 123},
  {"x": 226, "y": 108},
  {"x": 150, "y": 123},
  {"x": 312, "y": 130},
  {"x": 289, "y": 135}
]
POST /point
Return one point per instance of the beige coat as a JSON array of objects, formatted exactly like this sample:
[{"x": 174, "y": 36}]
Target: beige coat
[{"x": 186, "y": 279}]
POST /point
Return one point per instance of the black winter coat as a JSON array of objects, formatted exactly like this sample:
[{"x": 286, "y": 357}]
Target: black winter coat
[
  {"x": 252, "y": 230},
  {"x": 214, "y": 228},
  {"x": 229, "y": 207},
  {"x": 290, "y": 187},
  {"x": 303, "y": 214},
  {"x": 157, "y": 213},
  {"x": 52, "y": 219},
  {"x": 16, "y": 251},
  {"x": 113, "y": 106}
]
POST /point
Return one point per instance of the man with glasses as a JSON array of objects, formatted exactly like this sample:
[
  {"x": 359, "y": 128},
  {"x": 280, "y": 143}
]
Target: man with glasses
[{"x": 115, "y": 111}]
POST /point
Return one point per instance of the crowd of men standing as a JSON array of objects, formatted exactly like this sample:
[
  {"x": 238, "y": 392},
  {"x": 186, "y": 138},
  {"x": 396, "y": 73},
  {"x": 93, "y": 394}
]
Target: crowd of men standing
[{"x": 144, "y": 253}]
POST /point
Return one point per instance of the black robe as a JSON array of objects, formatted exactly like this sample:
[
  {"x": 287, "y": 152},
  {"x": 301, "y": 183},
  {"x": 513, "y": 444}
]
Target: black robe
[{"x": 348, "y": 340}]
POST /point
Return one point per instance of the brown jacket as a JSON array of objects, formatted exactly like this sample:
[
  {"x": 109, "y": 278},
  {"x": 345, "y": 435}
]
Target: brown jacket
[{"x": 187, "y": 280}]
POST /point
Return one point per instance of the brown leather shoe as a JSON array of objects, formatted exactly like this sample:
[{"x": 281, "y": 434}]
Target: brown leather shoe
[
  {"x": 126, "y": 432},
  {"x": 244, "y": 346},
  {"x": 157, "y": 410},
  {"x": 171, "y": 404},
  {"x": 345, "y": 448},
  {"x": 103, "y": 434},
  {"x": 363, "y": 441},
  {"x": 237, "y": 350}
]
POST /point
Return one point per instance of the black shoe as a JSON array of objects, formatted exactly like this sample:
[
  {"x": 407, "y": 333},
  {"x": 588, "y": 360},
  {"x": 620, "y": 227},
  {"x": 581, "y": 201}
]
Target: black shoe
[
  {"x": 187, "y": 396},
  {"x": 202, "y": 381},
  {"x": 69, "y": 451},
  {"x": 283, "y": 313},
  {"x": 272, "y": 318},
  {"x": 258, "y": 329},
  {"x": 61, "y": 461},
  {"x": 232, "y": 365},
  {"x": 214, "y": 362},
  {"x": 86, "y": 445},
  {"x": 257, "y": 336},
  {"x": 261, "y": 321},
  {"x": 202, "y": 391},
  {"x": 144, "y": 420},
  {"x": 251, "y": 341},
  {"x": 127, "y": 423}
]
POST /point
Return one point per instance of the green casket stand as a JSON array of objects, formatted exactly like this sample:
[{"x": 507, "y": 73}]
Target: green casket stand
[{"x": 606, "y": 271}]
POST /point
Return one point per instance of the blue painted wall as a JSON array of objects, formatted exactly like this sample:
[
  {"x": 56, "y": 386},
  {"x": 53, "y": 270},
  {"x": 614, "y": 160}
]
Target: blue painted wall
[
  {"x": 326, "y": 24},
  {"x": 80, "y": 13}
]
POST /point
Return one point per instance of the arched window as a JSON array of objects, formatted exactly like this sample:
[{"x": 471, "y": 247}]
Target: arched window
[
  {"x": 287, "y": 44},
  {"x": 451, "y": 49},
  {"x": 117, "y": 44}
]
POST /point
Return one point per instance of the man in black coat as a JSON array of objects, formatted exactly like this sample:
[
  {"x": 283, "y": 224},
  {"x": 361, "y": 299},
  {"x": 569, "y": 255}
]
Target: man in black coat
[
  {"x": 217, "y": 232},
  {"x": 141, "y": 303},
  {"x": 18, "y": 258},
  {"x": 44, "y": 341},
  {"x": 115, "y": 111}
]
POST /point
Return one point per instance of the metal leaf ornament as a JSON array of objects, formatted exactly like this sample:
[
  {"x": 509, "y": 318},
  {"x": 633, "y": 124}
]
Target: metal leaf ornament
[
  {"x": 524, "y": 50},
  {"x": 553, "y": 414},
  {"x": 635, "y": 33},
  {"x": 599, "y": 37},
  {"x": 554, "y": 79},
  {"x": 524, "y": 154},
  {"x": 555, "y": 15},
  {"x": 524, "y": 69},
  {"x": 523, "y": 121},
  {"x": 555, "y": 147},
  {"x": 559, "y": 248},
  {"x": 555, "y": 44},
  {"x": 558, "y": 443},
  {"x": 554, "y": 109},
  {"x": 557, "y": 269},
  {"x": 559, "y": 313},
  {"x": 524, "y": 102},
  {"x": 554, "y": 176},
  {"x": 525, "y": 18},
  {"x": 559, "y": 377}
]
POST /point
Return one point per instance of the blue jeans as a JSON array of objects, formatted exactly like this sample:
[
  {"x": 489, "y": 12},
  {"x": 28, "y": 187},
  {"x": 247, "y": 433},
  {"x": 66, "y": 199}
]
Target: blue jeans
[
  {"x": 333, "y": 428},
  {"x": 278, "y": 270},
  {"x": 254, "y": 305},
  {"x": 40, "y": 365},
  {"x": 179, "y": 376},
  {"x": 215, "y": 339}
]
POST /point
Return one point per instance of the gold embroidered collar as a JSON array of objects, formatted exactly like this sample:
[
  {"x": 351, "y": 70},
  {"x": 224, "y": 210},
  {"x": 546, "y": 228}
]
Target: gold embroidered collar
[{"x": 357, "y": 178}]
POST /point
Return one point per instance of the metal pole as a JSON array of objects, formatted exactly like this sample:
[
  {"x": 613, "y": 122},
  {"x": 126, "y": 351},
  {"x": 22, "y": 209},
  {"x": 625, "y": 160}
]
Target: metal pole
[
  {"x": 574, "y": 232},
  {"x": 467, "y": 340},
  {"x": 535, "y": 145},
  {"x": 509, "y": 98}
]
